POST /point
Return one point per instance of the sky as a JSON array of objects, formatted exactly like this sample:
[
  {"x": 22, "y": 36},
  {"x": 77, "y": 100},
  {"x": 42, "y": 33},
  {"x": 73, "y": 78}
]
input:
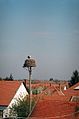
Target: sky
[{"x": 48, "y": 30}]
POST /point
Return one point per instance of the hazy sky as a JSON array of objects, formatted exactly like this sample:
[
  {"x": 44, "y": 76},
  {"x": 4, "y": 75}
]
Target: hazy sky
[{"x": 48, "y": 30}]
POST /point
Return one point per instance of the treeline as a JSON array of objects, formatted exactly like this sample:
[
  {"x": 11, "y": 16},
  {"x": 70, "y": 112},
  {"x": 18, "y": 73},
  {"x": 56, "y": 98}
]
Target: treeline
[
  {"x": 10, "y": 78},
  {"x": 73, "y": 80}
]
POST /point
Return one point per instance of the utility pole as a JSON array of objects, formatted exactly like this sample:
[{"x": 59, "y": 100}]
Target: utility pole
[
  {"x": 29, "y": 63},
  {"x": 30, "y": 91}
]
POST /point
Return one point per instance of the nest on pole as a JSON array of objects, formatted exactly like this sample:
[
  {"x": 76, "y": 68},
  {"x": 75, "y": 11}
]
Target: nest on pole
[{"x": 29, "y": 63}]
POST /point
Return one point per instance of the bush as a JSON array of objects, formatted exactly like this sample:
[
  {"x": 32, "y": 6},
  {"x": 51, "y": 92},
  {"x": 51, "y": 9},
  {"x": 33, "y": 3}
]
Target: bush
[
  {"x": 76, "y": 110},
  {"x": 21, "y": 108}
]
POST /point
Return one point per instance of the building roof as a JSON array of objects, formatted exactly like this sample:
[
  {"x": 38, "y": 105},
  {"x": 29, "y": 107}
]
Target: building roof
[
  {"x": 53, "y": 105},
  {"x": 76, "y": 88},
  {"x": 50, "y": 109},
  {"x": 72, "y": 91},
  {"x": 7, "y": 91}
]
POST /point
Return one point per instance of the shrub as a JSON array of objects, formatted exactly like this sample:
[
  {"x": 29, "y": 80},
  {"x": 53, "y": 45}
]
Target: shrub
[{"x": 21, "y": 108}]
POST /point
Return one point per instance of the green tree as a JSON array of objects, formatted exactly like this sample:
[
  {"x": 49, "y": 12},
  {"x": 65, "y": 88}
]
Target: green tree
[
  {"x": 6, "y": 79},
  {"x": 51, "y": 79},
  {"x": 21, "y": 108},
  {"x": 11, "y": 77},
  {"x": 74, "y": 78},
  {"x": 1, "y": 79}
]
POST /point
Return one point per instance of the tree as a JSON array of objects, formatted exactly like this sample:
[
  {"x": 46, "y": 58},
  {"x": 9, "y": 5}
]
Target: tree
[
  {"x": 1, "y": 79},
  {"x": 6, "y": 79},
  {"x": 74, "y": 78},
  {"x": 11, "y": 77},
  {"x": 51, "y": 79},
  {"x": 21, "y": 108}
]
